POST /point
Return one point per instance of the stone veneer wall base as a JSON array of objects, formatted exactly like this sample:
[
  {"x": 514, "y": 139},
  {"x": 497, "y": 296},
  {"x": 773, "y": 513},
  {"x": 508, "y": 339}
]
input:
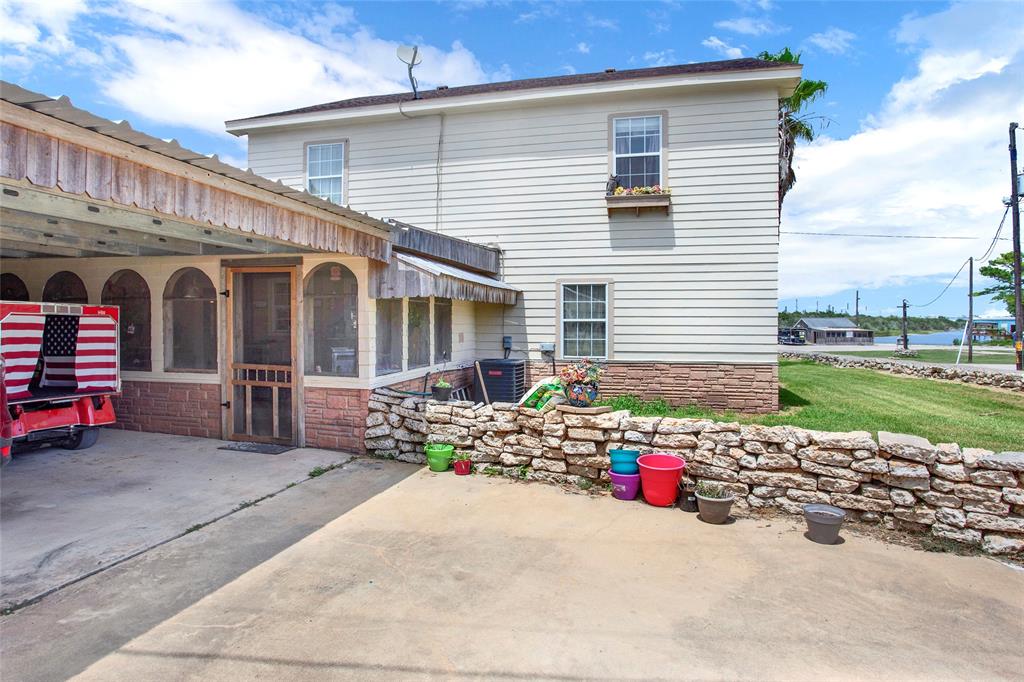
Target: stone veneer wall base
[
  {"x": 183, "y": 409},
  {"x": 740, "y": 388}
]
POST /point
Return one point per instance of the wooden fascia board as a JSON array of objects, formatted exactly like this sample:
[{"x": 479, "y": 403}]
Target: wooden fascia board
[{"x": 62, "y": 130}]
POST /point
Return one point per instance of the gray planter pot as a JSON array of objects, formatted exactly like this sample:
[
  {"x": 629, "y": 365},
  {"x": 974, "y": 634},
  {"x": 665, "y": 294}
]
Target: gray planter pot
[
  {"x": 823, "y": 523},
  {"x": 713, "y": 510}
]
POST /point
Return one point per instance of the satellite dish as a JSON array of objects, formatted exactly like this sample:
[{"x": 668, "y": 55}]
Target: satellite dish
[{"x": 410, "y": 54}]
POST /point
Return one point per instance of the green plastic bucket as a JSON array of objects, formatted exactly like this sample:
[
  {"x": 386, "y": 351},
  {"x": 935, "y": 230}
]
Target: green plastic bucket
[{"x": 439, "y": 456}]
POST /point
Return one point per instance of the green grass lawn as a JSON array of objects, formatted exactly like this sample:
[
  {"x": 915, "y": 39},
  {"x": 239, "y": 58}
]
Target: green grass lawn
[
  {"x": 940, "y": 355},
  {"x": 826, "y": 398}
]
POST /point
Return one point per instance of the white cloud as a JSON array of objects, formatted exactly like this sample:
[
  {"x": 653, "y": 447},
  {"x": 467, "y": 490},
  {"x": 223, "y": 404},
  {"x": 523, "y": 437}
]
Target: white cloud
[
  {"x": 993, "y": 312},
  {"x": 931, "y": 161},
  {"x": 718, "y": 45},
  {"x": 33, "y": 25},
  {"x": 751, "y": 26},
  {"x": 583, "y": 48},
  {"x": 833, "y": 40},
  {"x": 195, "y": 66},
  {"x": 600, "y": 22},
  {"x": 660, "y": 58},
  {"x": 751, "y": 5}
]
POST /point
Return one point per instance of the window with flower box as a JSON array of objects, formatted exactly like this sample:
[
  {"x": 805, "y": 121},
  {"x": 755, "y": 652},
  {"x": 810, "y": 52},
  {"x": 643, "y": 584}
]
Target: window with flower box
[
  {"x": 636, "y": 150},
  {"x": 583, "y": 320}
]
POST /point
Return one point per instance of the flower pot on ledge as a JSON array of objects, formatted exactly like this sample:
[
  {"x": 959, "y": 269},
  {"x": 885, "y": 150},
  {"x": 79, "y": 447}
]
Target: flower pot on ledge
[
  {"x": 441, "y": 394},
  {"x": 581, "y": 395}
]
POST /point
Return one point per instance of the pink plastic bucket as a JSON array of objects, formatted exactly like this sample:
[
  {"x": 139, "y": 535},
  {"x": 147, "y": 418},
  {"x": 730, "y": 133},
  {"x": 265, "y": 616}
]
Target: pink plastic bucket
[{"x": 659, "y": 477}]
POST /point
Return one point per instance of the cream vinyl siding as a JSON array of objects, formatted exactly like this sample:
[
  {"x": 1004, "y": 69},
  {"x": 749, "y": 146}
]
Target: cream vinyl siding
[{"x": 698, "y": 285}]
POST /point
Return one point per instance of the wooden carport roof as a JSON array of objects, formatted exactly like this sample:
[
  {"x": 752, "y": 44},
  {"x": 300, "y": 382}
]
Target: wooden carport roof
[{"x": 76, "y": 184}]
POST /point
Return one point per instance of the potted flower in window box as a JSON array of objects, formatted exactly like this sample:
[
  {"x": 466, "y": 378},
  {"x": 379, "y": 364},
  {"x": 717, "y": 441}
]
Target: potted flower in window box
[
  {"x": 441, "y": 391},
  {"x": 648, "y": 198},
  {"x": 580, "y": 381},
  {"x": 461, "y": 462}
]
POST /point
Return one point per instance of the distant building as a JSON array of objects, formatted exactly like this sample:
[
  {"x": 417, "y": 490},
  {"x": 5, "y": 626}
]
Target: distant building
[
  {"x": 834, "y": 330},
  {"x": 994, "y": 328}
]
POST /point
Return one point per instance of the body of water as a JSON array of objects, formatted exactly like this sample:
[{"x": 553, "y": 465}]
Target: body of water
[{"x": 947, "y": 338}]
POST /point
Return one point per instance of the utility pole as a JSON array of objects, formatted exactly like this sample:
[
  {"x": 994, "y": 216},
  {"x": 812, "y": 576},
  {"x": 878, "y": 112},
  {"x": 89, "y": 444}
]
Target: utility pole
[
  {"x": 904, "y": 339},
  {"x": 970, "y": 311},
  {"x": 1015, "y": 217},
  {"x": 856, "y": 309}
]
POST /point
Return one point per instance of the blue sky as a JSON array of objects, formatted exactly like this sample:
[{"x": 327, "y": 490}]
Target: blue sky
[{"x": 919, "y": 98}]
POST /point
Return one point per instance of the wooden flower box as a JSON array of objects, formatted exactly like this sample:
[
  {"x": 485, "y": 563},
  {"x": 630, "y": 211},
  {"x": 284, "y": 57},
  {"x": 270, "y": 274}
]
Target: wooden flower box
[{"x": 657, "y": 203}]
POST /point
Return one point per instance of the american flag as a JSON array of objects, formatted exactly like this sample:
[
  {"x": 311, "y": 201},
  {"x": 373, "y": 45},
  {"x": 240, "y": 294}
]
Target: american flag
[
  {"x": 96, "y": 353},
  {"x": 60, "y": 337},
  {"x": 22, "y": 335}
]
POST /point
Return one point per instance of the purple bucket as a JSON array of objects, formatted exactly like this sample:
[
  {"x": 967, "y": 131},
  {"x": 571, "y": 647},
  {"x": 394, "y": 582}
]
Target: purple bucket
[{"x": 625, "y": 486}]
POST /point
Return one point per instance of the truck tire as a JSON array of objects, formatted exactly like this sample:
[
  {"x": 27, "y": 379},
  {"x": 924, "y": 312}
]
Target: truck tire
[{"x": 83, "y": 438}]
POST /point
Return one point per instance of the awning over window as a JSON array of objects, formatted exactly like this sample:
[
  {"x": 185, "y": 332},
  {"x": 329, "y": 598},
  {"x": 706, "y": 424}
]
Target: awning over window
[{"x": 409, "y": 276}]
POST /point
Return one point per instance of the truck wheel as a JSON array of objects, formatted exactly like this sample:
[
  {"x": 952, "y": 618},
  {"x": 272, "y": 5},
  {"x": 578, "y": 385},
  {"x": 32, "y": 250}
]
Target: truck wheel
[{"x": 83, "y": 438}]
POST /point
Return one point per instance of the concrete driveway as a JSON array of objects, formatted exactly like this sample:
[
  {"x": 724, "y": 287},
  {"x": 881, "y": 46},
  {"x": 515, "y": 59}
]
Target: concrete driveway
[
  {"x": 468, "y": 577},
  {"x": 65, "y": 514}
]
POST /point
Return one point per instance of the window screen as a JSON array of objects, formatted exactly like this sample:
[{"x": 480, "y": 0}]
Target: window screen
[{"x": 584, "y": 320}]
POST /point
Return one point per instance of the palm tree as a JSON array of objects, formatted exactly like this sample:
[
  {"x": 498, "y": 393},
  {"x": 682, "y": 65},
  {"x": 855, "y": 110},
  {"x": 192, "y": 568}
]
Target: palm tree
[{"x": 794, "y": 123}]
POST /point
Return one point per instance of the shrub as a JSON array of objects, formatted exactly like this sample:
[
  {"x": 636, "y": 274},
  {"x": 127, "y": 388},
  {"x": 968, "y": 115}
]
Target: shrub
[{"x": 710, "y": 490}]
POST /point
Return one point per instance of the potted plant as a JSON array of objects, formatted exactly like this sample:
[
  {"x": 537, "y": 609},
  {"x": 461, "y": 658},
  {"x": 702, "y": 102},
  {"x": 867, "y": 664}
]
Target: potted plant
[
  {"x": 441, "y": 390},
  {"x": 713, "y": 501},
  {"x": 463, "y": 466},
  {"x": 580, "y": 380},
  {"x": 439, "y": 456}
]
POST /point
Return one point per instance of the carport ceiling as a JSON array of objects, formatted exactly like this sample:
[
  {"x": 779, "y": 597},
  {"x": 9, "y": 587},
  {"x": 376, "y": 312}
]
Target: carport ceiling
[{"x": 40, "y": 224}]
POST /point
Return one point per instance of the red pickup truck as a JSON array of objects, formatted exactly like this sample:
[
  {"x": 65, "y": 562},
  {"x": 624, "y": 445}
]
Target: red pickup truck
[{"x": 59, "y": 369}]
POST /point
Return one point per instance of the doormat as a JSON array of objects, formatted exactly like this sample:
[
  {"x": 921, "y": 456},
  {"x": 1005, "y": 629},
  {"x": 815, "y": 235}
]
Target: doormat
[{"x": 258, "y": 448}]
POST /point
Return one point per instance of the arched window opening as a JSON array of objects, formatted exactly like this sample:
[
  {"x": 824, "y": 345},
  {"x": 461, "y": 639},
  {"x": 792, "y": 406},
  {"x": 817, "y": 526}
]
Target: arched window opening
[
  {"x": 190, "y": 322},
  {"x": 12, "y": 288},
  {"x": 65, "y": 287},
  {"x": 128, "y": 291},
  {"x": 331, "y": 305}
]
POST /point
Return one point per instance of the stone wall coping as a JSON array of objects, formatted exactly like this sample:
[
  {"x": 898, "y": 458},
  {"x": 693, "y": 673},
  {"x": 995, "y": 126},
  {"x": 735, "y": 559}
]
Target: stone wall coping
[{"x": 583, "y": 410}]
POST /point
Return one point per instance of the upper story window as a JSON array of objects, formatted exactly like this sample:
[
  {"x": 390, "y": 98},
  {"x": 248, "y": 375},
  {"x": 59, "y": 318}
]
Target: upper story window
[
  {"x": 325, "y": 170},
  {"x": 636, "y": 150}
]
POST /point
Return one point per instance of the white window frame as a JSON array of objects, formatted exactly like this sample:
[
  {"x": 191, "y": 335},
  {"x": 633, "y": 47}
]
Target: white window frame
[
  {"x": 662, "y": 117},
  {"x": 343, "y": 177},
  {"x": 608, "y": 315}
]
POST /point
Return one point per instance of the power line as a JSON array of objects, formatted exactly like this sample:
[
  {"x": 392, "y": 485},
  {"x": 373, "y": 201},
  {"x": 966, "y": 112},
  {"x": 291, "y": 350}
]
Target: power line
[
  {"x": 886, "y": 236},
  {"x": 995, "y": 238},
  {"x": 944, "y": 290},
  {"x": 987, "y": 253}
]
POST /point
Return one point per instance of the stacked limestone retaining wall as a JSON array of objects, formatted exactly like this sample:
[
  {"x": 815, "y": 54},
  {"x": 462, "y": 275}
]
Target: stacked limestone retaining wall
[
  {"x": 967, "y": 375},
  {"x": 969, "y": 495}
]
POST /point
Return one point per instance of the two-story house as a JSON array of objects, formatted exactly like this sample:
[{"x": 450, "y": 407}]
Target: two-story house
[
  {"x": 384, "y": 238},
  {"x": 676, "y": 292}
]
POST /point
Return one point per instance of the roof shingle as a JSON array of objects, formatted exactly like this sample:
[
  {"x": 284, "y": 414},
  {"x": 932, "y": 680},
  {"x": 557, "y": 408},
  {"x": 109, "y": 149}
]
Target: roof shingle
[{"x": 724, "y": 66}]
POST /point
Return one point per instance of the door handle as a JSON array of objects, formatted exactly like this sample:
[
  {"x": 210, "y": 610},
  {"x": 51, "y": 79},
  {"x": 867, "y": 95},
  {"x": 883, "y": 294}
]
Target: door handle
[{"x": 226, "y": 404}]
